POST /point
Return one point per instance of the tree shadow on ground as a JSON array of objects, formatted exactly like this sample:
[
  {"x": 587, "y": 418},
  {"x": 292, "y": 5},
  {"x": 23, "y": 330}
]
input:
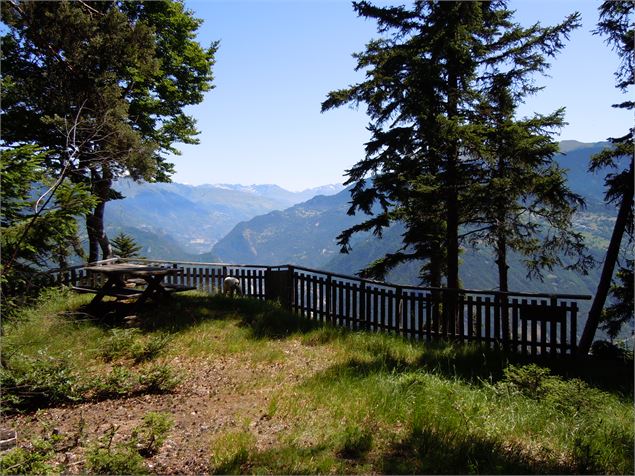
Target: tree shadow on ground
[
  {"x": 179, "y": 312},
  {"x": 469, "y": 362}
]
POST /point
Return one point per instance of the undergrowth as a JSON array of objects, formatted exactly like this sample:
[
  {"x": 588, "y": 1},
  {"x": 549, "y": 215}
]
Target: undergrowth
[{"x": 375, "y": 404}]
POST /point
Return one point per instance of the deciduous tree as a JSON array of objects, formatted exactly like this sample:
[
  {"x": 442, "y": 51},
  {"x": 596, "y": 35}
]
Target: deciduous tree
[{"x": 120, "y": 72}]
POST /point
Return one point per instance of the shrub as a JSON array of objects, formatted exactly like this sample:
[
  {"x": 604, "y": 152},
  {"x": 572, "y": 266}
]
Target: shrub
[
  {"x": 128, "y": 343},
  {"x": 29, "y": 382},
  {"x": 158, "y": 378},
  {"x": 150, "y": 348},
  {"x": 123, "y": 459},
  {"x": 30, "y": 460},
  {"x": 528, "y": 380},
  {"x": 150, "y": 435},
  {"x": 118, "y": 343},
  {"x": 119, "y": 382}
]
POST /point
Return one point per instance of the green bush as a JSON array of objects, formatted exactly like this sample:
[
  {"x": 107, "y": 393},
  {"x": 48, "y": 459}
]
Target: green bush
[
  {"x": 119, "y": 343},
  {"x": 29, "y": 383},
  {"x": 528, "y": 380},
  {"x": 31, "y": 460},
  {"x": 150, "y": 435},
  {"x": 158, "y": 378},
  {"x": 129, "y": 343},
  {"x": 119, "y": 382},
  {"x": 122, "y": 459},
  {"x": 149, "y": 349}
]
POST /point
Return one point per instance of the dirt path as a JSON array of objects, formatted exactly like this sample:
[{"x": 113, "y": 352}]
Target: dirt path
[{"x": 215, "y": 396}]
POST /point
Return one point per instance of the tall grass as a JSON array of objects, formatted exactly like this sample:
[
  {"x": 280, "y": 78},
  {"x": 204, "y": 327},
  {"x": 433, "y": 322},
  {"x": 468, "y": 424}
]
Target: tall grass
[{"x": 376, "y": 404}]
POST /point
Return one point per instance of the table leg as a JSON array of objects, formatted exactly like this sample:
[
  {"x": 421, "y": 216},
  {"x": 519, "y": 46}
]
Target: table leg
[
  {"x": 111, "y": 283},
  {"x": 153, "y": 290}
]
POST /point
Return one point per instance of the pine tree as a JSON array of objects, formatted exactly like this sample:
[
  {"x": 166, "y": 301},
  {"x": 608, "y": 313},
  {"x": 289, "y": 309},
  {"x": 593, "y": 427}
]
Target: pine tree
[
  {"x": 426, "y": 78},
  {"x": 125, "y": 246},
  {"x": 618, "y": 24},
  {"x": 528, "y": 206},
  {"x": 108, "y": 80}
]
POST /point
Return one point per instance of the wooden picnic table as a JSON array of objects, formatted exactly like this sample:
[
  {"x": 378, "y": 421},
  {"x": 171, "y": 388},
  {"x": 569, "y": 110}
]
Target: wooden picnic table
[{"x": 118, "y": 273}]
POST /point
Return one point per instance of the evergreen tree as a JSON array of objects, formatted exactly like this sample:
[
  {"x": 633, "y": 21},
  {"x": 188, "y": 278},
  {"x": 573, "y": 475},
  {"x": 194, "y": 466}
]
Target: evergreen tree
[
  {"x": 615, "y": 316},
  {"x": 618, "y": 24},
  {"x": 109, "y": 80},
  {"x": 35, "y": 233},
  {"x": 528, "y": 206},
  {"x": 125, "y": 246},
  {"x": 426, "y": 78}
]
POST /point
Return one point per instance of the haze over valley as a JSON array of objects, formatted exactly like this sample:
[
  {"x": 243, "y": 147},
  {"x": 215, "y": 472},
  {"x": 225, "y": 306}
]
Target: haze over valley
[{"x": 266, "y": 224}]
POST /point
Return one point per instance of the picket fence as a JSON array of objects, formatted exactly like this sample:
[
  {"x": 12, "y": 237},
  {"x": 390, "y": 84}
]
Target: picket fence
[{"x": 527, "y": 323}]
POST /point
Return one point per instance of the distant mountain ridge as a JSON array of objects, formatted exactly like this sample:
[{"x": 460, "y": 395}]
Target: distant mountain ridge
[
  {"x": 184, "y": 221},
  {"x": 305, "y": 234}
]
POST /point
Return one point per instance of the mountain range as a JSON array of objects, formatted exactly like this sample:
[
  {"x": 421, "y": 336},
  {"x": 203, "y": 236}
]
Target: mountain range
[
  {"x": 265, "y": 224},
  {"x": 183, "y": 222}
]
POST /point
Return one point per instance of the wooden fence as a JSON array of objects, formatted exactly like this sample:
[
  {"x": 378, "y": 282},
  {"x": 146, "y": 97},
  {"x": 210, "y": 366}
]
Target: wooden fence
[{"x": 530, "y": 324}]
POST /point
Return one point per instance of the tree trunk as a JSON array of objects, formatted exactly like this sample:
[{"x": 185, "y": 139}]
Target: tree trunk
[
  {"x": 452, "y": 213},
  {"x": 607, "y": 273},
  {"x": 97, "y": 238},
  {"x": 501, "y": 262}
]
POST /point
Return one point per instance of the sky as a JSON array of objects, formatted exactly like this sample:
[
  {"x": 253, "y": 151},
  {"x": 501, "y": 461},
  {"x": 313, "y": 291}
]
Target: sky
[{"x": 278, "y": 60}]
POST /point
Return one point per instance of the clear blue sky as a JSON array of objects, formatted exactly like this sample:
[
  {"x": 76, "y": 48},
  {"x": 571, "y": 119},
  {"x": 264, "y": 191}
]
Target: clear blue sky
[{"x": 278, "y": 60}]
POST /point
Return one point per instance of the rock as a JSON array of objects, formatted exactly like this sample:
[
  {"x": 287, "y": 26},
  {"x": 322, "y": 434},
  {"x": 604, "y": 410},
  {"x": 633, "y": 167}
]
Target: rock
[{"x": 8, "y": 438}]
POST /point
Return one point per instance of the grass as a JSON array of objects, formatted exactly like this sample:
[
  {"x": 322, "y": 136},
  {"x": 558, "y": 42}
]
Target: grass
[{"x": 375, "y": 404}]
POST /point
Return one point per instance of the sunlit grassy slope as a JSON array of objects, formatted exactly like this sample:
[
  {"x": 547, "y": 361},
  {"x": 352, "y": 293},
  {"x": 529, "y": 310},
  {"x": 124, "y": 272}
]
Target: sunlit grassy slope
[{"x": 375, "y": 404}]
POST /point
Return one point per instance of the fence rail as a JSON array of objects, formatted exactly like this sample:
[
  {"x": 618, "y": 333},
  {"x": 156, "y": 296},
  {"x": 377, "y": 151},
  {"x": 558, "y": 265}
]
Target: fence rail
[{"x": 527, "y": 323}]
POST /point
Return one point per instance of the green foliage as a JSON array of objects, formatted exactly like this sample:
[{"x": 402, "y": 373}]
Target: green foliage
[
  {"x": 427, "y": 156},
  {"x": 32, "y": 382},
  {"x": 158, "y": 378},
  {"x": 102, "y": 88},
  {"x": 127, "y": 457},
  {"x": 121, "y": 381},
  {"x": 34, "y": 235},
  {"x": 151, "y": 434},
  {"x": 33, "y": 459},
  {"x": 123, "y": 458},
  {"x": 620, "y": 312},
  {"x": 570, "y": 397},
  {"x": 230, "y": 451},
  {"x": 129, "y": 343},
  {"x": 124, "y": 246},
  {"x": 617, "y": 25}
]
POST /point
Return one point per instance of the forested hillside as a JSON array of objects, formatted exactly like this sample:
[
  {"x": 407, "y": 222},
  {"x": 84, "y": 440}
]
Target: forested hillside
[
  {"x": 305, "y": 234},
  {"x": 178, "y": 221}
]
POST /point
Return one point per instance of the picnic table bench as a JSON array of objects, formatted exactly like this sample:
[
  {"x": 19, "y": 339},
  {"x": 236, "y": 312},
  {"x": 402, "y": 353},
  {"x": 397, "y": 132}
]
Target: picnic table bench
[{"x": 119, "y": 273}]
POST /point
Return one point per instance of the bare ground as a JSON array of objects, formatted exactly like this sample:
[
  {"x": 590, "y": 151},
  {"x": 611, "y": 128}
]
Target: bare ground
[{"x": 215, "y": 396}]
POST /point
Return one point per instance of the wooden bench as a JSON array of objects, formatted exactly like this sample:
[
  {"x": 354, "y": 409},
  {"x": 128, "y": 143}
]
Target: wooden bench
[
  {"x": 175, "y": 288},
  {"x": 130, "y": 292},
  {"x": 122, "y": 293}
]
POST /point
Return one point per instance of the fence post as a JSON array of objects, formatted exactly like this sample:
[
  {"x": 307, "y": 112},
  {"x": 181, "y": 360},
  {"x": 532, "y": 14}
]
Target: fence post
[
  {"x": 329, "y": 302},
  {"x": 362, "y": 305},
  {"x": 290, "y": 288},
  {"x": 399, "y": 303}
]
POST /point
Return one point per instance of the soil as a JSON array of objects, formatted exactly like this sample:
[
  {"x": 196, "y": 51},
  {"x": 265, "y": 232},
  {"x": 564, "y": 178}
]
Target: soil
[{"x": 215, "y": 396}]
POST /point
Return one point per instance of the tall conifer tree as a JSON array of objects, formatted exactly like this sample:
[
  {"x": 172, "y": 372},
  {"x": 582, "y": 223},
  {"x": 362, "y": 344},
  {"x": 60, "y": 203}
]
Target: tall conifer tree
[
  {"x": 617, "y": 23},
  {"x": 425, "y": 79}
]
